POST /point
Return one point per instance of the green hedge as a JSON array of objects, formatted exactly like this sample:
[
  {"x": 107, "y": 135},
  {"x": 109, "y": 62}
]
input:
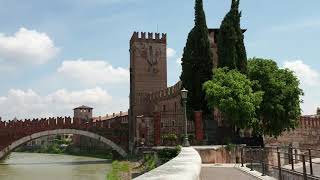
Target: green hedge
[{"x": 167, "y": 154}]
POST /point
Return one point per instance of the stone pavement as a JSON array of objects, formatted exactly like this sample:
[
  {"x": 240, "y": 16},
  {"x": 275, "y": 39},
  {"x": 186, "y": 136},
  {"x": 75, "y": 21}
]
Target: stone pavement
[{"x": 229, "y": 172}]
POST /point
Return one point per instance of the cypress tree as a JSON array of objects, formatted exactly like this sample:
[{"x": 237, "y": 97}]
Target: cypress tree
[
  {"x": 197, "y": 63},
  {"x": 231, "y": 49}
]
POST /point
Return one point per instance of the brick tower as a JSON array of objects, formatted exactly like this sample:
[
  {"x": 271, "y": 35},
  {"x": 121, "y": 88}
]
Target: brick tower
[{"x": 148, "y": 73}]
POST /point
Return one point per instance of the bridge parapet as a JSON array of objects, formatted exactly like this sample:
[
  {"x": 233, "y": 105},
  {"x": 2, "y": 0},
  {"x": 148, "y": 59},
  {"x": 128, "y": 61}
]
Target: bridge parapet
[{"x": 11, "y": 131}]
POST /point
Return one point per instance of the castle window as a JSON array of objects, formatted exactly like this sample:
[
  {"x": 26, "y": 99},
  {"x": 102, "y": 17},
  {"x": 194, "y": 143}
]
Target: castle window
[
  {"x": 175, "y": 106},
  {"x": 172, "y": 123},
  {"x": 164, "y": 107},
  {"x": 162, "y": 125}
]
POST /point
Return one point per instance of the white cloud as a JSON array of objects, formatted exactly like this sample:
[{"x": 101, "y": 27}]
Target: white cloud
[
  {"x": 29, "y": 104},
  {"x": 178, "y": 61},
  {"x": 27, "y": 46},
  {"x": 93, "y": 72},
  {"x": 310, "y": 82},
  {"x": 305, "y": 73},
  {"x": 171, "y": 52}
]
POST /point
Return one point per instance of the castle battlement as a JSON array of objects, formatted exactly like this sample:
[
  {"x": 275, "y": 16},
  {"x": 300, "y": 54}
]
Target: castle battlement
[
  {"x": 41, "y": 121},
  {"x": 152, "y": 37},
  {"x": 166, "y": 93},
  {"x": 309, "y": 121}
]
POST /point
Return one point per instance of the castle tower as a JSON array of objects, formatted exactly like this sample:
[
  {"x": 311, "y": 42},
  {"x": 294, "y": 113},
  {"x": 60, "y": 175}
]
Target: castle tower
[
  {"x": 83, "y": 113},
  {"x": 148, "y": 72}
]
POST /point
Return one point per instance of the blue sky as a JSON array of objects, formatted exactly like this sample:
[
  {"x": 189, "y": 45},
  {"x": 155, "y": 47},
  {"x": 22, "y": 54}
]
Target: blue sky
[{"x": 55, "y": 55}]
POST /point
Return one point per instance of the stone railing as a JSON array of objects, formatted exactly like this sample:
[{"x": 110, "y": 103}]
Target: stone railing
[{"x": 186, "y": 166}]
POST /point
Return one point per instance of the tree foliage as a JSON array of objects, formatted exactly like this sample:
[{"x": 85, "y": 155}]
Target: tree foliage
[
  {"x": 267, "y": 99},
  {"x": 197, "y": 61},
  {"x": 231, "y": 92},
  {"x": 280, "y": 108},
  {"x": 231, "y": 49}
]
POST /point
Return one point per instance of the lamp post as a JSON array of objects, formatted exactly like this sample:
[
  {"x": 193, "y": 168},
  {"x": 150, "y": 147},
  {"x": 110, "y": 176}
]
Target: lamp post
[{"x": 184, "y": 95}]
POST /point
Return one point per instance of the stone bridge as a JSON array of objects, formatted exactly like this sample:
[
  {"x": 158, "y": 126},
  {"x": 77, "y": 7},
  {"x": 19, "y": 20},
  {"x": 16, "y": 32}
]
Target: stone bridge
[{"x": 15, "y": 133}]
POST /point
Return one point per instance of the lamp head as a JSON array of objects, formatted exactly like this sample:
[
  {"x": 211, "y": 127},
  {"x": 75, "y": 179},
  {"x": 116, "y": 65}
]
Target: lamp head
[{"x": 184, "y": 94}]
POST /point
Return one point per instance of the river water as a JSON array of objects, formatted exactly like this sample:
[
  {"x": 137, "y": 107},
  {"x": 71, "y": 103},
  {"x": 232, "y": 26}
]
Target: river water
[{"x": 33, "y": 166}]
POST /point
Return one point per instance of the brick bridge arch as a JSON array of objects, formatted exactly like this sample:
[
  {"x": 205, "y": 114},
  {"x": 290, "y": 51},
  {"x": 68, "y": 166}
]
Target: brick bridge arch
[
  {"x": 15, "y": 133},
  {"x": 34, "y": 136}
]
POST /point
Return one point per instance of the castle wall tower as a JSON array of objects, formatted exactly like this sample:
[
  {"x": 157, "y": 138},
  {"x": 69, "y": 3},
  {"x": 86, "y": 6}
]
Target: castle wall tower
[
  {"x": 148, "y": 72},
  {"x": 84, "y": 113}
]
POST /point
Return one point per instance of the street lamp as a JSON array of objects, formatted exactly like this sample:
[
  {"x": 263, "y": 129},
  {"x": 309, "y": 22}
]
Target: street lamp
[{"x": 184, "y": 96}]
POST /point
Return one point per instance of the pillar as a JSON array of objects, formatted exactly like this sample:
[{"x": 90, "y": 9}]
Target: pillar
[
  {"x": 157, "y": 128},
  {"x": 198, "y": 125}
]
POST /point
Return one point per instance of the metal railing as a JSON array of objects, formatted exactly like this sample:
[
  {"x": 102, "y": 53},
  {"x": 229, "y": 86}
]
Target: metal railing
[{"x": 282, "y": 162}]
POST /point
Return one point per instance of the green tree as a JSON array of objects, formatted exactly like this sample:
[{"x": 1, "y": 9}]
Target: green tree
[
  {"x": 197, "y": 62},
  {"x": 231, "y": 49},
  {"x": 231, "y": 92},
  {"x": 280, "y": 108}
]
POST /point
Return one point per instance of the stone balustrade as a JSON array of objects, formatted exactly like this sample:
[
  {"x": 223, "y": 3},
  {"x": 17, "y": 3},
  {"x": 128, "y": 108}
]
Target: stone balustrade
[{"x": 186, "y": 166}]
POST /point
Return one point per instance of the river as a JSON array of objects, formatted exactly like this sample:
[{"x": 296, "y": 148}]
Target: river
[{"x": 34, "y": 166}]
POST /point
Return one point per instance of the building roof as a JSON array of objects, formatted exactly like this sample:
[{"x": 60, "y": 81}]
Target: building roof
[
  {"x": 83, "y": 107},
  {"x": 110, "y": 116}
]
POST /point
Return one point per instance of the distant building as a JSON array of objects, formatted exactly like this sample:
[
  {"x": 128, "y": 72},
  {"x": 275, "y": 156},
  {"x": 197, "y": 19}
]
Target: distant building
[{"x": 84, "y": 114}]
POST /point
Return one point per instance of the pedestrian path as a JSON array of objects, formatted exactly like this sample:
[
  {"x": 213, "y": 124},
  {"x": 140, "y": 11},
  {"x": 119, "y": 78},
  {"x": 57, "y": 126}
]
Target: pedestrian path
[{"x": 229, "y": 172}]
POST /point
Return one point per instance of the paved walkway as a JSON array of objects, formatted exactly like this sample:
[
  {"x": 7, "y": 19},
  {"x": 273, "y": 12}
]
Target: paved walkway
[
  {"x": 221, "y": 173},
  {"x": 229, "y": 172}
]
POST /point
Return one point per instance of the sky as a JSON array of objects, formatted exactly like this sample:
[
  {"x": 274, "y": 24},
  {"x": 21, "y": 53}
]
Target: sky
[{"x": 56, "y": 55}]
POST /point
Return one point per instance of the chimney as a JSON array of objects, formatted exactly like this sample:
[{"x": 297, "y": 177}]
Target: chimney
[
  {"x": 114, "y": 114},
  {"x": 107, "y": 115},
  {"x": 318, "y": 111},
  {"x": 99, "y": 118},
  {"x": 120, "y": 113}
]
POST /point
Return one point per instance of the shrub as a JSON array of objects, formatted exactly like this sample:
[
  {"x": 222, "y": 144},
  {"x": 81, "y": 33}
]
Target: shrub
[
  {"x": 118, "y": 169},
  {"x": 167, "y": 154}
]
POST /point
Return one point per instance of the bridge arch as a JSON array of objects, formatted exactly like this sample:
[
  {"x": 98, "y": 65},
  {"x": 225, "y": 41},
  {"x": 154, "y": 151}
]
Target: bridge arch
[{"x": 37, "y": 135}]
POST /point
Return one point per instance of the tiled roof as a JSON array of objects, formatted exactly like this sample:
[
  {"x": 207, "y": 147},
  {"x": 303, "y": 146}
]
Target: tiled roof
[
  {"x": 110, "y": 116},
  {"x": 83, "y": 107}
]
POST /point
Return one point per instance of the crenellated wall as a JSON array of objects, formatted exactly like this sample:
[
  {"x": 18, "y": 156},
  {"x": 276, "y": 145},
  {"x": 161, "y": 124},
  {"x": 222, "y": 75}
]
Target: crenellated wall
[
  {"x": 151, "y": 38},
  {"x": 116, "y": 131},
  {"x": 307, "y": 135},
  {"x": 167, "y": 100}
]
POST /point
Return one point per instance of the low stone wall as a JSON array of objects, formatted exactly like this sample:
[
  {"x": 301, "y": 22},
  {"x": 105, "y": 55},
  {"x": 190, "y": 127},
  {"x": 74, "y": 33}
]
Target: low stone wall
[
  {"x": 186, "y": 166},
  {"x": 218, "y": 154}
]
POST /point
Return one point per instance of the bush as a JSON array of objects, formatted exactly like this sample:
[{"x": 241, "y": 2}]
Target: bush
[
  {"x": 170, "y": 139},
  {"x": 150, "y": 162},
  {"x": 118, "y": 168},
  {"x": 230, "y": 147},
  {"x": 167, "y": 154}
]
